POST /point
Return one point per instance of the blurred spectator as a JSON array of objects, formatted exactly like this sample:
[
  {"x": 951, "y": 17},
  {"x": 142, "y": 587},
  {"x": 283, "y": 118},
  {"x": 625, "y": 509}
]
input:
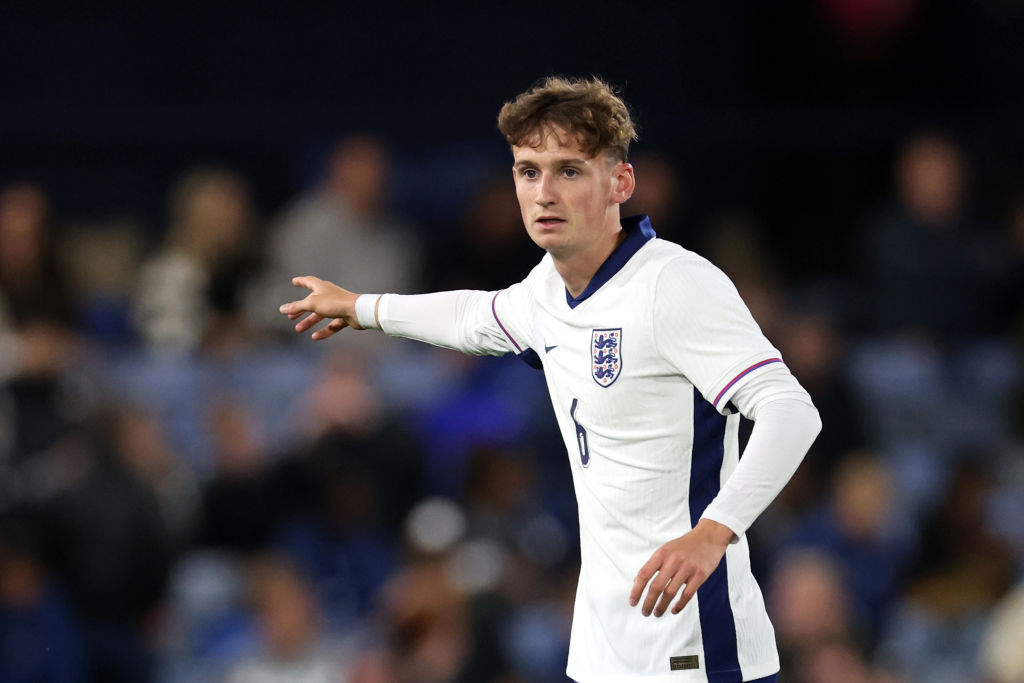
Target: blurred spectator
[
  {"x": 933, "y": 374},
  {"x": 344, "y": 424},
  {"x": 291, "y": 647},
  {"x": 734, "y": 244},
  {"x": 347, "y": 489},
  {"x": 961, "y": 571},
  {"x": 103, "y": 258},
  {"x": 500, "y": 492},
  {"x": 440, "y": 610},
  {"x": 110, "y": 547},
  {"x": 342, "y": 231},
  {"x": 1002, "y": 657},
  {"x": 39, "y": 640},
  {"x": 811, "y": 610},
  {"x": 926, "y": 263},
  {"x": 814, "y": 349},
  {"x": 143, "y": 448},
  {"x": 240, "y": 502},
  {"x": 490, "y": 250},
  {"x": 856, "y": 527},
  {"x": 426, "y": 620},
  {"x": 189, "y": 290},
  {"x": 31, "y": 280},
  {"x": 35, "y": 318},
  {"x": 837, "y": 662},
  {"x": 962, "y": 565}
]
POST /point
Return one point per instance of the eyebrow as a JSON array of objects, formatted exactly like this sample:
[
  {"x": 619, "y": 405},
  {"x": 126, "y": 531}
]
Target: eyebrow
[{"x": 560, "y": 162}]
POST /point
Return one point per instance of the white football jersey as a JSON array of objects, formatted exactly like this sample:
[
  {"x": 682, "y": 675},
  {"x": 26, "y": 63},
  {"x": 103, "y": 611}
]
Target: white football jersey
[{"x": 640, "y": 368}]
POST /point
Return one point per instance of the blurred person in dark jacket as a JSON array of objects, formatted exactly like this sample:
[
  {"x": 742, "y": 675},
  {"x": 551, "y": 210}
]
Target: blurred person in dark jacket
[
  {"x": 925, "y": 261},
  {"x": 39, "y": 640},
  {"x": 241, "y": 506},
  {"x": 488, "y": 250},
  {"x": 110, "y": 546},
  {"x": 345, "y": 491},
  {"x": 36, "y": 317}
]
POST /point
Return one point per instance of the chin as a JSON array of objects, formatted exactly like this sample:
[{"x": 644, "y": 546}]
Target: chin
[{"x": 550, "y": 243}]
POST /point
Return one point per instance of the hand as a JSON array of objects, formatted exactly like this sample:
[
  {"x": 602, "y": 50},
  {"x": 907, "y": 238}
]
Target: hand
[
  {"x": 326, "y": 300},
  {"x": 686, "y": 561}
]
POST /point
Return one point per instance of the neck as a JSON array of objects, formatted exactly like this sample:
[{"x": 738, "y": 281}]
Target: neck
[{"x": 578, "y": 269}]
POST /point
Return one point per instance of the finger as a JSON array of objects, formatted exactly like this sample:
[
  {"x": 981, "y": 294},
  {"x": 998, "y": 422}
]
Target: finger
[
  {"x": 658, "y": 586},
  {"x": 691, "y": 589},
  {"x": 293, "y": 309},
  {"x": 307, "y": 281},
  {"x": 642, "y": 577},
  {"x": 308, "y": 322},
  {"x": 334, "y": 326},
  {"x": 670, "y": 591}
]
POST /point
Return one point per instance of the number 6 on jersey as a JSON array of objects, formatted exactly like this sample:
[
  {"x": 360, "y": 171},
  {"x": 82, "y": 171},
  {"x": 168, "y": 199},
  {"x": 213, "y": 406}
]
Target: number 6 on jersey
[{"x": 581, "y": 434}]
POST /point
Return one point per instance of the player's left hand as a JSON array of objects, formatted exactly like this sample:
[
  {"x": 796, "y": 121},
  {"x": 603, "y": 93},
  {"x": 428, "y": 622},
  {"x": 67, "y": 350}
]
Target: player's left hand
[{"x": 685, "y": 562}]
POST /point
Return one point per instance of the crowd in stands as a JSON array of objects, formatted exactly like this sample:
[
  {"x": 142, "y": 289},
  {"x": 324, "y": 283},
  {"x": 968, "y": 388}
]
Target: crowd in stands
[{"x": 191, "y": 492}]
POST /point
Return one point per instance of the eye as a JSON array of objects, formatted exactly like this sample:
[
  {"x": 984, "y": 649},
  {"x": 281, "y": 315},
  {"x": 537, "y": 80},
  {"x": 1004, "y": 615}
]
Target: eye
[
  {"x": 571, "y": 173},
  {"x": 530, "y": 173}
]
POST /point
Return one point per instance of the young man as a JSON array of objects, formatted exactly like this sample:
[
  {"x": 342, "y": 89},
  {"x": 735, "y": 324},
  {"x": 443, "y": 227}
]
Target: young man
[{"x": 650, "y": 357}]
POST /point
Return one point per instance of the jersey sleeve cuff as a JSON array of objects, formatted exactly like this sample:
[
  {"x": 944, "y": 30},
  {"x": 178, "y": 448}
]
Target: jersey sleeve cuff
[
  {"x": 366, "y": 311},
  {"x": 728, "y": 386},
  {"x": 737, "y": 527}
]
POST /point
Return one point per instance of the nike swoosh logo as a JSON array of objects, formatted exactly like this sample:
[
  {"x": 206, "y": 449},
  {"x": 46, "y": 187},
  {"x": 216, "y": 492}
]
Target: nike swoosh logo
[{"x": 547, "y": 349}]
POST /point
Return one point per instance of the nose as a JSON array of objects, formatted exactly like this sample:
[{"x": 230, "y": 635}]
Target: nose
[{"x": 545, "y": 193}]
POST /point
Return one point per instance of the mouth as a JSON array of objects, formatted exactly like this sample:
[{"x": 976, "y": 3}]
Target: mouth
[{"x": 550, "y": 221}]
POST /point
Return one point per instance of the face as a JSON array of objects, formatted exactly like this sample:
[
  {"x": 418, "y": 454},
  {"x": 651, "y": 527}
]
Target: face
[{"x": 569, "y": 200}]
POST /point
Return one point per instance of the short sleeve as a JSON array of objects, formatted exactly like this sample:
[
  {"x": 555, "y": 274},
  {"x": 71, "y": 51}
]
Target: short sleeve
[{"x": 703, "y": 329}]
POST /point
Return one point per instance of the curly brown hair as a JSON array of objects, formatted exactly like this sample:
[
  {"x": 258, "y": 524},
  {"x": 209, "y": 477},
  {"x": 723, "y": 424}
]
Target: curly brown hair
[{"x": 586, "y": 108}]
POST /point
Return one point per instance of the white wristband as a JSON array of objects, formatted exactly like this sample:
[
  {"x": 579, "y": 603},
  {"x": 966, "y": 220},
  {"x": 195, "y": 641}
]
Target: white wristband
[{"x": 366, "y": 311}]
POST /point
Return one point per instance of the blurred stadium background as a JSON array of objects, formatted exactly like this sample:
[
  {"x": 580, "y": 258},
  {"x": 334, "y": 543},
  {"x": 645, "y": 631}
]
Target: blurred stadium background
[{"x": 190, "y": 493}]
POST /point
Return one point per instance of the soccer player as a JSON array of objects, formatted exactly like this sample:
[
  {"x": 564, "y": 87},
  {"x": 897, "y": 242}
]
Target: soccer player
[{"x": 650, "y": 358}]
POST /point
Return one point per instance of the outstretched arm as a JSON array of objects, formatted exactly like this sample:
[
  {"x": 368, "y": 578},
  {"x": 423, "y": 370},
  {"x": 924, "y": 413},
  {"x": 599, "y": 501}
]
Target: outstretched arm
[
  {"x": 326, "y": 301},
  {"x": 464, "y": 320}
]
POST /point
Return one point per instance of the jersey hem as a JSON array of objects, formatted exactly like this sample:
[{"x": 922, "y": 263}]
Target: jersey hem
[{"x": 750, "y": 673}]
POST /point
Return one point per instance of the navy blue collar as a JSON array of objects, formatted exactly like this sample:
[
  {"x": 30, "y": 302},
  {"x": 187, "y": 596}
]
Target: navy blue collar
[{"x": 638, "y": 231}]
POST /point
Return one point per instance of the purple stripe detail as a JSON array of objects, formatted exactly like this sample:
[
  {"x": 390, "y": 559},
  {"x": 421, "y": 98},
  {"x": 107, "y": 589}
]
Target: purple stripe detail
[
  {"x": 740, "y": 376},
  {"x": 494, "y": 311}
]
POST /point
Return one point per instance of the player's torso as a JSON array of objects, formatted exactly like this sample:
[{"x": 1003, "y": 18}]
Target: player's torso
[
  {"x": 624, "y": 412},
  {"x": 628, "y": 420}
]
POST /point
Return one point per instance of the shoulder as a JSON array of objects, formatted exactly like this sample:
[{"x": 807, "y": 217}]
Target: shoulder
[{"x": 671, "y": 265}]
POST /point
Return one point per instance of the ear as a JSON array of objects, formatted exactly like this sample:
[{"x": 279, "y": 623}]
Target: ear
[{"x": 623, "y": 182}]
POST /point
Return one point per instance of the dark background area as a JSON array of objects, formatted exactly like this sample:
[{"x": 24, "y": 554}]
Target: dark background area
[{"x": 779, "y": 106}]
